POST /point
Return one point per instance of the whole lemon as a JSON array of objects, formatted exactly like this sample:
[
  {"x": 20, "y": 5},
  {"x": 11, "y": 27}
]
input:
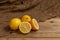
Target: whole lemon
[
  {"x": 26, "y": 18},
  {"x": 14, "y": 23}
]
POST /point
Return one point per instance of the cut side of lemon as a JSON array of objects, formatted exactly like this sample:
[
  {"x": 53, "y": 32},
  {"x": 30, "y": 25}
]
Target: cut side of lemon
[
  {"x": 25, "y": 27},
  {"x": 34, "y": 24}
]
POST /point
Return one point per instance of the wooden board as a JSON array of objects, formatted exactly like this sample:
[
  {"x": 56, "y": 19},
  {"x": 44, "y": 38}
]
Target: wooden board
[
  {"x": 29, "y": 38},
  {"x": 48, "y": 29}
]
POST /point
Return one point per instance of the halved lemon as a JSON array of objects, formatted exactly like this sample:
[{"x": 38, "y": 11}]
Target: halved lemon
[
  {"x": 34, "y": 24},
  {"x": 25, "y": 27}
]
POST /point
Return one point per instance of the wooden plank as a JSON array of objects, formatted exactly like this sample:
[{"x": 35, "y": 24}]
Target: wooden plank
[
  {"x": 3, "y": 38},
  {"x": 34, "y": 39},
  {"x": 48, "y": 29}
]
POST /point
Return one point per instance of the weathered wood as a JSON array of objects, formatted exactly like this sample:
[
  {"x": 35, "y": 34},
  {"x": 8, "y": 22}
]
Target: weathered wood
[
  {"x": 34, "y": 38},
  {"x": 3, "y": 38},
  {"x": 29, "y": 38},
  {"x": 48, "y": 29},
  {"x": 42, "y": 12}
]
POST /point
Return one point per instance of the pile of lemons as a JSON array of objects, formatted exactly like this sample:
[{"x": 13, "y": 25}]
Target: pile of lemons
[{"x": 25, "y": 24}]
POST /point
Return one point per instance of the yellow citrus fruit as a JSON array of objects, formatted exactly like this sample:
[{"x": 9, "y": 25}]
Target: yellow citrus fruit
[
  {"x": 14, "y": 23},
  {"x": 26, "y": 18},
  {"x": 25, "y": 27},
  {"x": 34, "y": 24}
]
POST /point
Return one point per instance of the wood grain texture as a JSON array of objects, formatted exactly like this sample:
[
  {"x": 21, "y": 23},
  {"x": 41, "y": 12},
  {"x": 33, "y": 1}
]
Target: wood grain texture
[
  {"x": 50, "y": 28},
  {"x": 29, "y": 38},
  {"x": 34, "y": 38},
  {"x": 3, "y": 38}
]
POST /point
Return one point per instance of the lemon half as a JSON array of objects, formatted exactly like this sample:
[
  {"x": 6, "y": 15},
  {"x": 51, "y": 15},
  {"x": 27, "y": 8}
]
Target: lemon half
[
  {"x": 34, "y": 24},
  {"x": 25, "y": 27}
]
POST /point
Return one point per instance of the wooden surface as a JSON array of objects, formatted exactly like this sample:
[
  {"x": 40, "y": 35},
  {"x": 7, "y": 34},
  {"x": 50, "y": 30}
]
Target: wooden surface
[
  {"x": 49, "y": 30},
  {"x": 47, "y": 11}
]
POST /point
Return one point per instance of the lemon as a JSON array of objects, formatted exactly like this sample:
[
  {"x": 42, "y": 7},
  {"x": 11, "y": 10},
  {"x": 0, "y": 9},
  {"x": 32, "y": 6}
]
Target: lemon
[
  {"x": 25, "y": 27},
  {"x": 14, "y": 23},
  {"x": 34, "y": 24},
  {"x": 26, "y": 18}
]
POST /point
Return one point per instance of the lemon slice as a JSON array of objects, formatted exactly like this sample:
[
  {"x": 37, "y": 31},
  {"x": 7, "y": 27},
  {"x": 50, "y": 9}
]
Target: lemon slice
[
  {"x": 25, "y": 27},
  {"x": 35, "y": 25}
]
